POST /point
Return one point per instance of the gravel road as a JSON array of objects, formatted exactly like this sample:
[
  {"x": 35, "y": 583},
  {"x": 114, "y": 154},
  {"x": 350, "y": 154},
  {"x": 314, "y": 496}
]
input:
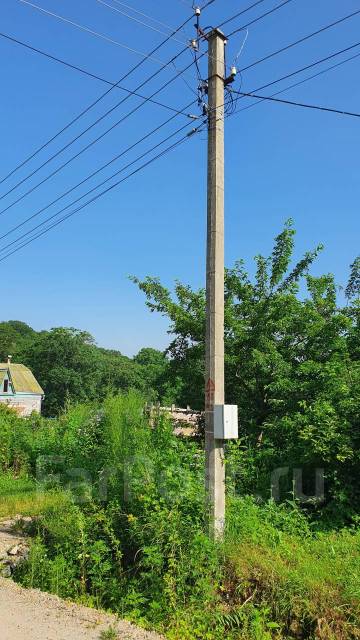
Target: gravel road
[{"x": 28, "y": 614}]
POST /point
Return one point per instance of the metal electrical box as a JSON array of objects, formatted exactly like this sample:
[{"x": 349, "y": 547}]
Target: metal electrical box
[{"x": 226, "y": 421}]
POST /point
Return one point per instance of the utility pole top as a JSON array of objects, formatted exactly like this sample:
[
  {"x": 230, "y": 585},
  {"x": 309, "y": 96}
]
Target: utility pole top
[{"x": 217, "y": 33}]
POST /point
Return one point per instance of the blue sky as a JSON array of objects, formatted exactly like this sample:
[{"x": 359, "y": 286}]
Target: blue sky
[{"x": 281, "y": 161}]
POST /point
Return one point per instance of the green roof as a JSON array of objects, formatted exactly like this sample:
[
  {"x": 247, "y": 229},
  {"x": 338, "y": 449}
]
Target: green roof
[{"x": 22, "y": 380}]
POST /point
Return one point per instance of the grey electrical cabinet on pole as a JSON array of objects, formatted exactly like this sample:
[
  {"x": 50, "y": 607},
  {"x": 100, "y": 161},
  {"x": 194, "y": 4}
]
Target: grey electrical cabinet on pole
[{"x": 225, "y": 421}]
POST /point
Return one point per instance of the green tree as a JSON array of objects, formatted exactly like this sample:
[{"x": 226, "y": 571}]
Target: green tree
[
  {"x": 13, "y": 335},
  {"x": 154, "y": 369},
  {"x": 120, "y": 372},
  {"x": 291, "y": 364},
  {"x": 68, "y": 366}
]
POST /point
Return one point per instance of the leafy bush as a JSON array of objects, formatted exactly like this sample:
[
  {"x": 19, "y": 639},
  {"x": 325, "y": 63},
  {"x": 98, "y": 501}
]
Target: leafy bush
[{"x": 140, "y": 548}]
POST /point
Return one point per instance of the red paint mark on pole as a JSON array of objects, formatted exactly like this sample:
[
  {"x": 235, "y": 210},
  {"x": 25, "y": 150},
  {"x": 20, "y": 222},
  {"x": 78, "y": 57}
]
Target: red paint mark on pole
[{"x": 209, "y": 395}]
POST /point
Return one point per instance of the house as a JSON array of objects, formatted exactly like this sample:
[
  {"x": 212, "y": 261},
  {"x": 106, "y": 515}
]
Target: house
[{"x": 19, "y": 389}]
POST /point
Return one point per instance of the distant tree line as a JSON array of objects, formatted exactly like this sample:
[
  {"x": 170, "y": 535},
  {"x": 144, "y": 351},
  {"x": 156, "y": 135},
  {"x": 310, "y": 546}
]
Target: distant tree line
[{"x": 71, "y": 368}]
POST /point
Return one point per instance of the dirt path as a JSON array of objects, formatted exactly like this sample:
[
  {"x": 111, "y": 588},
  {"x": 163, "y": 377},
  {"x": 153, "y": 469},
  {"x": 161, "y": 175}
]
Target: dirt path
[{"x": 28, "y": 614}]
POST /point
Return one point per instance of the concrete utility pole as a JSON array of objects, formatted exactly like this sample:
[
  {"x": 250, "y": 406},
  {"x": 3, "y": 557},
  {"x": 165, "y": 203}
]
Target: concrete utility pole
[{"x": 214, "y": 385}]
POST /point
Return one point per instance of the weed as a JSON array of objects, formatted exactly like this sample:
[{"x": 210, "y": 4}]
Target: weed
[
  {"x": 144, "y": 553},
  {"x": 108, "y": 634}
]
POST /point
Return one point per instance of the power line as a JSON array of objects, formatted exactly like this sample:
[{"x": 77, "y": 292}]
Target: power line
[
  {"x": 91, "y": 31},
  {"x": 116, "y": 184},
  {"x": 256, "y": 90},
  {"x": 309, "y": 66},
  {"x": 240, "y": 13},
  {"x": 144, "y": 24},
  {"x": 93, "y": 104},
  {"x": 250, "y": 95},
  {"x": 205, "y": 6},
  {"x": 316, "y": 75},
  {"x": 198, "y": 129},
  {"x": 166, "y": 84},
  {"x": 89, "y": 107},
  {"x": 144, "y": 15},
  {"x": 127, "y": 166},
  {"x": 263, "y": 15},
  {"x": 303, "y": 39},
  {"x": 237, "y": 15},
  {"x": 297, "y": 104},
  {"x": 300, "y": 82},
  {"x": 116, "y": 85},
  {"x": 91, "y": 175},
  {"x": 289, "y": 75},
  {"x": 109, "y": 6},
  {"x": 85, "y": 72}
]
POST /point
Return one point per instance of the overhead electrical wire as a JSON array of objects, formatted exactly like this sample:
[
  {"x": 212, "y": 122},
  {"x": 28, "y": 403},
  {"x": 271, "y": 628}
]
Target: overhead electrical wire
[
  {"x": 90, "y": 144},
  {"x": 106, "y": 4},
  {"x": 252, "y": 94},
  {"x": 288, "y": 102},
  {"x": 91, "y": 31},
  {"x": 256, "y": 90},
  {"x": 87, "y": 193},
  {"x": 316, "y": 75},
  {"x": 203, "y": 35},
  {"x": 303, "y": 39},
  {"x": 198, "y": 129},
  {"x": 107, "y": 190},
  {"x": 263, "y": 15},
  {"x": 297, "y": 104},
  {"x": 94, "y": 173},
  {"x": 144, "y": 15},
  {"x": 297, "y": 71},
  {"x": 103, "y": 36},
  {"x": 94, "y": 103},
  {"x": 141, "y": 22},
  {"x": 237, "y": 15},
  {"x": 107, "y": 113},
  {"x": 116, "y": 84},
  {"x": 85, "y": 72},
  {"x": 240, "y": 13},
  {"x": 207, "y": 4},
  {"x": 308, "y": 66},
  {"x": 90, "y": 106},
  {"x": 300, "y": 82}
]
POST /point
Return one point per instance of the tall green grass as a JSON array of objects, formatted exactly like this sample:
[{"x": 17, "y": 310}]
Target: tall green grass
[
  {"x": 133, "y": 539},
  {"x": 21, "y": 496}
]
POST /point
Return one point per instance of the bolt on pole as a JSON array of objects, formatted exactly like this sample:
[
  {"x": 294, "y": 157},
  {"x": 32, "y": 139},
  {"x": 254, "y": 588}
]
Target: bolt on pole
[{"x": 214, "y": 376}]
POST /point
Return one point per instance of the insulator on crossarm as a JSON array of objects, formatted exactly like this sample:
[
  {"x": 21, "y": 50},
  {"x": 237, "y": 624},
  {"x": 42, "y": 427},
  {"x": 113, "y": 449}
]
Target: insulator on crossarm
[{"x": 232, "y": 76}]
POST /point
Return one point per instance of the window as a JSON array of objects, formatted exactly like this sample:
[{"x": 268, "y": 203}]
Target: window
[{"x": 6, "y": 386}]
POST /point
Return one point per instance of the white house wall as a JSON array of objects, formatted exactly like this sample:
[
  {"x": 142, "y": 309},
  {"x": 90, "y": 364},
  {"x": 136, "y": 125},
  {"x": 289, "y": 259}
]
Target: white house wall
[{"x": 23, "y": 404}]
